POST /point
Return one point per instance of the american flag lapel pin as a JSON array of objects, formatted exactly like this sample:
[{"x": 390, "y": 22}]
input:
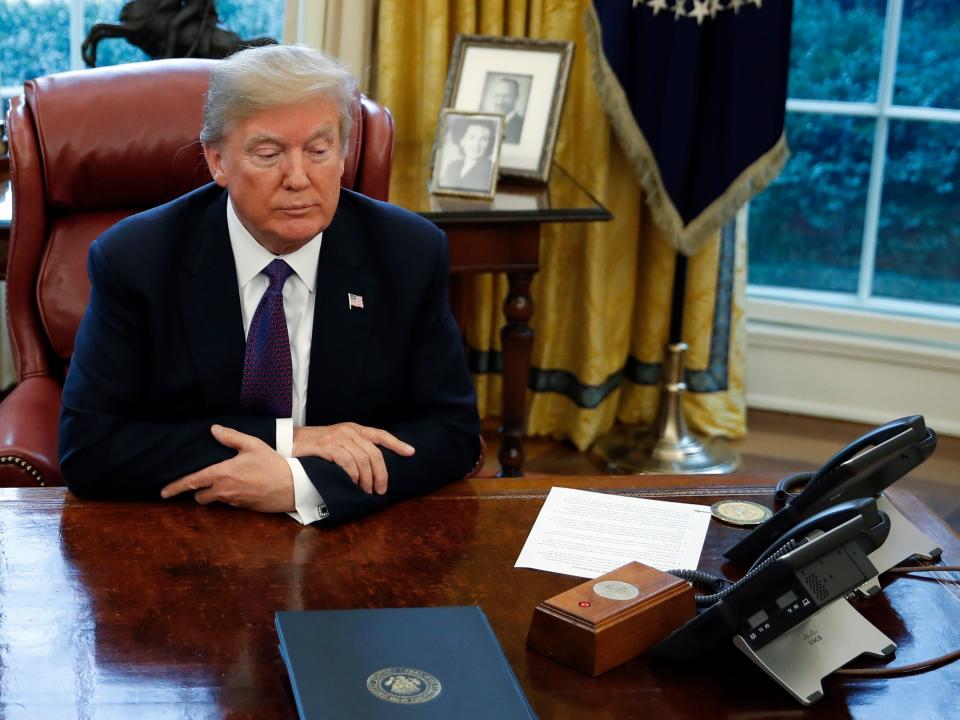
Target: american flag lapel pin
[{"x": 354, "y": 301}]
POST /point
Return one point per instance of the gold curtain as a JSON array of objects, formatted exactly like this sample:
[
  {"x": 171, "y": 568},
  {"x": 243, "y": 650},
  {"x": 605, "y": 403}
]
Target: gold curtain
[{"x": 602, "y": 296}]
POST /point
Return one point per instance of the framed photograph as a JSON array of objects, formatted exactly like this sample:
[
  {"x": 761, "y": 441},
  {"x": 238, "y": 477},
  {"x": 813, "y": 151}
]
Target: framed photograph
[
  {"x": 525, "y": 81},
  {"x": 467, "y": 150}
]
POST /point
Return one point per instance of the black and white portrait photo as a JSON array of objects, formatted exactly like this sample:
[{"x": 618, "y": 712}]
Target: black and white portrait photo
[
  {"x": 466, "y": 162},
  {"x": 524, "y": 81},
  {"x": 507, "y": 93}
]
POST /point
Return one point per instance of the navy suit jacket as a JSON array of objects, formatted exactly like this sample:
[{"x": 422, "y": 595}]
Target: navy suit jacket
[{"x": 159, "y": 353}]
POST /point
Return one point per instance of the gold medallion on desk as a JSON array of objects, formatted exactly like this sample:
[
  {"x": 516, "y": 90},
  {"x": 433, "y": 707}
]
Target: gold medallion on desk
[{"x": 740, "y": 512}]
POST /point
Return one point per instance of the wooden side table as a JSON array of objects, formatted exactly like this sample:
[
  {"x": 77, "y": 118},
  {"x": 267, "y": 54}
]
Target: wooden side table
[{"x": 499, "y": 235}]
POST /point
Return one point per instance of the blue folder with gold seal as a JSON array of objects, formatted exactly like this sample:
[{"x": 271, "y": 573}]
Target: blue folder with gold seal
[{"x": 417, "y": 663}]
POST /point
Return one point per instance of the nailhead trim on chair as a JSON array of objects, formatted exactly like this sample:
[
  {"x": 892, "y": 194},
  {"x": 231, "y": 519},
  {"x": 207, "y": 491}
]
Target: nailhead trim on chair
[{"x": 23, "y": 465}]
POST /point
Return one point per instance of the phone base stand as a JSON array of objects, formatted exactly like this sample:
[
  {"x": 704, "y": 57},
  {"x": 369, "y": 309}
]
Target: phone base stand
[
  {"x": 606, "y": 621},
  {"x": 903, "y": 542},
  {"x": 827, "y": 640}
]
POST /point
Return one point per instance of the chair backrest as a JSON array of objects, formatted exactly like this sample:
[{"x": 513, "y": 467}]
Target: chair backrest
[{"x": 89, "y": 148}]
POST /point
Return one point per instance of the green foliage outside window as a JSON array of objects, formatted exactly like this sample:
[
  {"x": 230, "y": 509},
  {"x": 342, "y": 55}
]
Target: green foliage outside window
[
  {"x": 35, "y": 39},
  {"x": 806, "y": 229}
]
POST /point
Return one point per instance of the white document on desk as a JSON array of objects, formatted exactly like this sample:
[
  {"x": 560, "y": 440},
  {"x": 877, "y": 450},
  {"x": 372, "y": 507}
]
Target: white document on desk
[{"x": 589, "y": 533}]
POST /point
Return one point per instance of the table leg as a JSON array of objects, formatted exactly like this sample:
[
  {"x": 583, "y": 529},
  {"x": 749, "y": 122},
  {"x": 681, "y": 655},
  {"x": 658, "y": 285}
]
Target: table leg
[
  {"x": 517, "y": 341},
  {"x": 461, "y": 300}
]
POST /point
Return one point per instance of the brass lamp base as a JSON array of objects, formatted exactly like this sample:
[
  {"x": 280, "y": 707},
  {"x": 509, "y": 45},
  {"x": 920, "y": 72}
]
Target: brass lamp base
[{"x": 666, "y": 448}]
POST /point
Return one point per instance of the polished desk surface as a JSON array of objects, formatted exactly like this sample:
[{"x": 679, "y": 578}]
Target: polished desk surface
[{"x": 166, "y": 609}]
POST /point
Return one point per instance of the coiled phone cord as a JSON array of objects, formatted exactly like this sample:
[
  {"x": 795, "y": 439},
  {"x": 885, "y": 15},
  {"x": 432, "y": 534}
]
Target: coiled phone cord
[
  {"x": 699, "y": 577},
  {"x": 785, "y": 488}
]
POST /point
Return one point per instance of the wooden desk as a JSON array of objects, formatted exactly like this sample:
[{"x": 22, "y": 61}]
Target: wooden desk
[
  {"x": 499, "y": 235},
  {"x": 121, "y": 610}
]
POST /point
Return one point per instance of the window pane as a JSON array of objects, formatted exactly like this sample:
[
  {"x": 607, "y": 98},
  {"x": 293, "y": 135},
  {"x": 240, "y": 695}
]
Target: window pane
[
  {"x": 835, "y": 49},
  {"x": 918, "y": 245},
  {"x": 928, "y": 66},
  {"x": 253, "y": 18},
  {"x": 35, "y": 39},
  {"x": 806, "y": 229}
]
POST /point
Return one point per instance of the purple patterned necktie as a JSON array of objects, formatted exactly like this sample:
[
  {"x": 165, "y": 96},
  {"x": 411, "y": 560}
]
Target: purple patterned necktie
[{"x": 267, "y": 387}]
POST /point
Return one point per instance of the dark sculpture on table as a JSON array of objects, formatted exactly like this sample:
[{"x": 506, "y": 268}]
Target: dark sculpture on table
[{"x": 170, "y": 28}]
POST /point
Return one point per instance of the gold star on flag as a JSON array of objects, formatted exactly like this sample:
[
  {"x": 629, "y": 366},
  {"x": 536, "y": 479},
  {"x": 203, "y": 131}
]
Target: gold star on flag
[
  {"x": 758, "y": 3},
  {"x": 678, "y": 9},
  {"x": 657, "y": 6},
  {"x": 715, "y": 7},
  {"x": 701, "y": 8},
  {"x": 735, "y": 5}
]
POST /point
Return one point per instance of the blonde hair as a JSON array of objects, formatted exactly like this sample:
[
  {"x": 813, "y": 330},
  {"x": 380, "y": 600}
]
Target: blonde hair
[{"x": 262, "y": 77}]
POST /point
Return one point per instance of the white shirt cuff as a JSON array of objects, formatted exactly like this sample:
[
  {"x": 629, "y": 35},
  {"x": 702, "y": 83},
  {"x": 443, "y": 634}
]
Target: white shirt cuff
[
  {"x": 285, "y": 437},
  {"x": 309, "y": 503}
]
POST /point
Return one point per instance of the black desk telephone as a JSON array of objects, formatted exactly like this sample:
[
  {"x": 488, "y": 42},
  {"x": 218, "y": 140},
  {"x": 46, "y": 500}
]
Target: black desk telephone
[{"x": 788, "y": 613}]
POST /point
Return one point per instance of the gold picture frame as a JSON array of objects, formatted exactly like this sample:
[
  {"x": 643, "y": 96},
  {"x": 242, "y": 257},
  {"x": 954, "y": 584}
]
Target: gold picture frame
[
  {"x": 466, "y": 154},
  {"x": 523, "y": 79}
]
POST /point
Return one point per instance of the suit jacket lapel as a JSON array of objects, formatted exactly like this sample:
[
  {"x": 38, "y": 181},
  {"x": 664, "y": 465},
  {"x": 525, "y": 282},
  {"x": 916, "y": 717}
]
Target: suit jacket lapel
[
  {"x": 340, "y": 333},
  {"x": 210, "y": 306}
]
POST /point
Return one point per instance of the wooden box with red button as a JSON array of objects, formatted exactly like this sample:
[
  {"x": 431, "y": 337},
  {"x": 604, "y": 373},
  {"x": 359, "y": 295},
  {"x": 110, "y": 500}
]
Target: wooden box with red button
[{"x": 608, "y": 620}]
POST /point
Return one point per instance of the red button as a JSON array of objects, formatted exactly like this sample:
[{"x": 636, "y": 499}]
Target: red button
[{"x": 584, "y": 603}]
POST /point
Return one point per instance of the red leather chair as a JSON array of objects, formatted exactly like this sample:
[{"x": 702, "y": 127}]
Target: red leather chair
[{"x": 87, "y": 149}]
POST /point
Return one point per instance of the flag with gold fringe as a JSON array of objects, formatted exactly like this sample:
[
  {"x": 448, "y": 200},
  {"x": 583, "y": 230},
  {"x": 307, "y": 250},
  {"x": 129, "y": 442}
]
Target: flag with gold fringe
[{"x": 696, "y": 93}]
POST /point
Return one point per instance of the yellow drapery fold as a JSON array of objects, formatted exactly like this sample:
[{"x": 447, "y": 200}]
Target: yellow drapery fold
[{"x": 602, "y": 296}]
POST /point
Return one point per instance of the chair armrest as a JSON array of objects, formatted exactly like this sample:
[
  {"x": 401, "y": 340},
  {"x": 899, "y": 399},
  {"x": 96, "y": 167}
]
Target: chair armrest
[{"x": 29, "y": 421}]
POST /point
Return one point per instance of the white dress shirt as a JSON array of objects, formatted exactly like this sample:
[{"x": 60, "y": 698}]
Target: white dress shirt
[{"x": 299, "y": 298}]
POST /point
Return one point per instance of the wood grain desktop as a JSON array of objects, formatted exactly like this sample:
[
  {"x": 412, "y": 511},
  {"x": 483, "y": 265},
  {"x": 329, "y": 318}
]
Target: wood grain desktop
[{"x": 124, "y": 610}]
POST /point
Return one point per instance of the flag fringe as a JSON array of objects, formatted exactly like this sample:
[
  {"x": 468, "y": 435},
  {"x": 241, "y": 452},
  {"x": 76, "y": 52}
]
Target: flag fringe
[{"x": 690, "y": 237}]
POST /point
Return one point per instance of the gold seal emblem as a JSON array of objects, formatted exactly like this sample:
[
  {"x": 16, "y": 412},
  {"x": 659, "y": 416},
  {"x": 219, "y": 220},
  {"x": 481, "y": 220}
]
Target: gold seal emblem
[
  {"x": 740, "y": 512},
  {"x": 403, "y": 685},
  {"x": 616, "y": 590}
]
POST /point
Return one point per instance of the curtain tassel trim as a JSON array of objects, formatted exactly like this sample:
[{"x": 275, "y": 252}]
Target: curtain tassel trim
[{"x": 685, "y": 238}]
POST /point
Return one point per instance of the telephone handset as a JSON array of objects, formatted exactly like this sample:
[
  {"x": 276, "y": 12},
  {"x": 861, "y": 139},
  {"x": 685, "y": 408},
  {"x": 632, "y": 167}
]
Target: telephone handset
[
  {"x": 876, "y": 525},
  {"x": 863, "y": 469}
]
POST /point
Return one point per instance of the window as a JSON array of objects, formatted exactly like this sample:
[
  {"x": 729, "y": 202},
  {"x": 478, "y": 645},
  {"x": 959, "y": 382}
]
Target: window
[
  {"x": 44, "y": 36},
  {"x": 866, "y": 214}
]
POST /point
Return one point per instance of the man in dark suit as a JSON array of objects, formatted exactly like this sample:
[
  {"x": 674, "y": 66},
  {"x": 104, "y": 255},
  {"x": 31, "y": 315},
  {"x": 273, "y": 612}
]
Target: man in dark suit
[
  {"x": 270, "y": 341},
  {"x": 503, "y": 97}
]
